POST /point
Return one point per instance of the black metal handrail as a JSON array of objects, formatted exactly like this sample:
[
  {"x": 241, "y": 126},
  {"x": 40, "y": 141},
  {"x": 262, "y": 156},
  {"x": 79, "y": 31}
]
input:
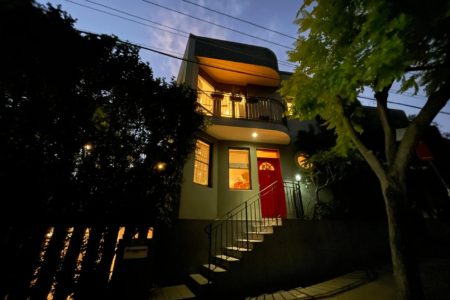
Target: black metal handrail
[{"x": 236, "y": 230}]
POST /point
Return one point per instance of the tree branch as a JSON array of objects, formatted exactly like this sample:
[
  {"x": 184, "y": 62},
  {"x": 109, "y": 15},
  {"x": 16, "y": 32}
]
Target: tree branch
[
  {"x": 434, "y": 104},
  {"x": 368, "y": 155},
  {"x": 423, "y": 68},
  {"x": 389, "y": 134}
]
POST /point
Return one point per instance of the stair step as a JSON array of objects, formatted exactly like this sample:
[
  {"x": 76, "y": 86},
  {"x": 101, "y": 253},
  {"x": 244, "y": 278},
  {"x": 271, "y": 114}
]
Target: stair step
[
  {"x": 286, "y": 295},
  {"x": 277, "y": 296},
  {"x": 270, "y": 222},
  {"x": 253, "y": 236},
  {"x": 214, "y": 268},
  {"x": 250, "y": 240},
  {"x": 227, "y": 257},
  {"x": 241, "y": 249},
  {"x": 199, "y": 278},
  {"x": 260, "y": 232},
  {"x": 262, "y": 229}
]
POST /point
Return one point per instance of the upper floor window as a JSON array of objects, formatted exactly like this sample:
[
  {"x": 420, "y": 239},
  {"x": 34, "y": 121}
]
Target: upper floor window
[
  {"x": 204, "y": 95},
  {"x": 239, "y": 169},
  {"x": 202, "y": 163}
]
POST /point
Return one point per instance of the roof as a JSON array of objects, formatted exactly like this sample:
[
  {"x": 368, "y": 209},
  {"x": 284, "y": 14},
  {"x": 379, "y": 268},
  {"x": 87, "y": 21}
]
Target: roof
[{"x": 232, "y": 51}]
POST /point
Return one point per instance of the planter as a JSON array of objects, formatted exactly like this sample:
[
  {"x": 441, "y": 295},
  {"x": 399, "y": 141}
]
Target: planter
[{"x": 236, "y": 98}]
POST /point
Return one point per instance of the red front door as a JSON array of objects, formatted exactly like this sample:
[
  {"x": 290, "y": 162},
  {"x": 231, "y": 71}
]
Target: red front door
[{"x": 273, "y": 201}]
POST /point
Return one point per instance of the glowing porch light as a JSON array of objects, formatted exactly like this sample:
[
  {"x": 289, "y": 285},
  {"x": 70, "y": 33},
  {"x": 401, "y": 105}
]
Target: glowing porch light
[
  {"x": 254, "y": 135},
  {"x": 298, "y": 177}
]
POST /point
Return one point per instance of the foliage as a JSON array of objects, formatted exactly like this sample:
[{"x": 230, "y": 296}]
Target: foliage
[
  {"x": 84, "y": 123},
  {"x": 345, "y": 47}
]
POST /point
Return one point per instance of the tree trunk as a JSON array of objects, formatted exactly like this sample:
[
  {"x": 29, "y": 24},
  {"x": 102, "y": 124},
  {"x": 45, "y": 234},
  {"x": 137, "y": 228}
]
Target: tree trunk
[{"x": 405, "y": 266}]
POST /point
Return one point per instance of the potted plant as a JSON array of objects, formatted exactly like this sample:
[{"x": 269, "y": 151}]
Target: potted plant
[{"x": 236, "y": 98}]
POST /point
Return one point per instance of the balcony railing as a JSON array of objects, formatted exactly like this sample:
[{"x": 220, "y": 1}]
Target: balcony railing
[{"x": 238, "y": 107}]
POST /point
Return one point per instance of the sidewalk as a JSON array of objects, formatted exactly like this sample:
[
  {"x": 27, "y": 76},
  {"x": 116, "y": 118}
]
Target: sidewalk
[
  {"x": 383, "y": 288},
  {"x": 435, "y": 274},
  {"x": 355, "y": 285}
]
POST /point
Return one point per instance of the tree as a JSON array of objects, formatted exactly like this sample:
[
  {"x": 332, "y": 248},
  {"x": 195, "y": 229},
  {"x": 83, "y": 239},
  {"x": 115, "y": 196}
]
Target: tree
[
  {"x": 345, "y": 47},
  {"x": 87, "y": 133}
]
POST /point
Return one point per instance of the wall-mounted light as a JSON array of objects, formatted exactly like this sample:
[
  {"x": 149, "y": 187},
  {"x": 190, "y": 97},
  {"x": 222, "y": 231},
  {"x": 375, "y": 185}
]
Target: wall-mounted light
[
  {"x": 298, "y": 177},
  {"x": 254, "y": 135}
]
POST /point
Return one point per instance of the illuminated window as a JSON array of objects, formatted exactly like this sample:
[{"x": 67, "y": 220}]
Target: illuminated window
[
  {"x": 239, "y": 169},
  {"x": 303, "y": 162},
  {"x": 265, "y": 166},
  {"x": 201, "y": 165},
  {"x": 204, "y": 95},
  {"x": 226, "y": 109}
]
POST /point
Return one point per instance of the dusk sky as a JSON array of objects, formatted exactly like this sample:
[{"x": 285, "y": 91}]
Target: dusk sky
[{"x": 275, "y": 15}]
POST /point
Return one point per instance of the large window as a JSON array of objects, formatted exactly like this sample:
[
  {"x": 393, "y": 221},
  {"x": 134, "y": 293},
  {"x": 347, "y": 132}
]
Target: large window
[
  {"x": 239, "y": 169},
  {"x": 201, "y": 166},
  {"x": 204, "y": 95}
]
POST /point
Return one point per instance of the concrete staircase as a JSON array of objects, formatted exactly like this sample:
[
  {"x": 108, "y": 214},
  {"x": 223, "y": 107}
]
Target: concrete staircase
[{"x": 212, "y": 279}]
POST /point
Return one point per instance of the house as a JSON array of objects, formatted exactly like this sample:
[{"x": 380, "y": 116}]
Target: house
[
  {"x": 245, "y": 195},
  {"x": 248, "y": 143}
]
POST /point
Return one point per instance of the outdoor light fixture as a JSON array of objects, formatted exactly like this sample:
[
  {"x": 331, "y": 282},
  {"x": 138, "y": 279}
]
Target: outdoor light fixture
[
  {"x": 160, "y": 166},
  {"x": 298, "y": 177},
  {"x": 254, "y": 135},
  {"x": 88, "y": 147}
]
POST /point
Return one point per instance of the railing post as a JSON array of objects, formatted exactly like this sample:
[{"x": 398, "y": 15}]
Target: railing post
[
  {"x": 246, "y": 225},
  {"x": 300, "y": 201}
]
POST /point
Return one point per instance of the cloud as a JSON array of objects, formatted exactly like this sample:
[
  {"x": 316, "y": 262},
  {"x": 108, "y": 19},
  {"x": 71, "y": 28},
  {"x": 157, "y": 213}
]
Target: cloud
[{"x": 169, "y": 42}]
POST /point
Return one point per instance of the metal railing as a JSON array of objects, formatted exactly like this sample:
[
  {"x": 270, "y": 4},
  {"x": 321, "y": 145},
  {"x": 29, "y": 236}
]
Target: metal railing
[
  {"x": 254, "y": 108},
  {"x": 235, "y": 231}
]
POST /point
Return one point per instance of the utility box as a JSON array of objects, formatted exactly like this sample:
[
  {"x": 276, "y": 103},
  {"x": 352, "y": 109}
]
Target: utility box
[{"x": 133, "y": 271}]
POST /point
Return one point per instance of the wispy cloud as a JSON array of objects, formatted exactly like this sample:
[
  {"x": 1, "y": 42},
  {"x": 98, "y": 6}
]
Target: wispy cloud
[{"x": 177, "y": 44}]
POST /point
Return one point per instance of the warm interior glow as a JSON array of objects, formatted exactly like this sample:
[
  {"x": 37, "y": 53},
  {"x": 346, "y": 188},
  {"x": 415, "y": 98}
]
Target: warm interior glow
[
  {"x": 119, "y": 237},
  {"x": 204, "y": 95},
  {"x": 254, "y": 134},
  {"x": 239, "y": 169},
  {"x": 42, "y": 252},
  {"x": 62, "y": 256},
  {"x": 201, "y": 164},
  {"x": 219, "y": 72},
  {"x": 302, "y": 161},
  {"x": 150, "y": 233},
  {"x": 266, "y": 166},
  {"x": 267, "y": 154}
]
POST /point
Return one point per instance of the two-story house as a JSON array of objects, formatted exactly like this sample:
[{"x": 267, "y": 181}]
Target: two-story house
[
  {"x": 244, "y": 180},
  {"x": 247, "y": 144}
]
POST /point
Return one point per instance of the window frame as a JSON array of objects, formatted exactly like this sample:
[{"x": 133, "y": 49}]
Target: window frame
[
  {"x": 209, "y": 177},
  {"x": 249, "y": 169}
]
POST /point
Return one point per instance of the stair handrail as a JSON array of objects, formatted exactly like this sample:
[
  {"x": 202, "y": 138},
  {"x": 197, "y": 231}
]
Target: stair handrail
[
  {"x": 242, "y": 225},
  {"x": 235, "y": 210}
]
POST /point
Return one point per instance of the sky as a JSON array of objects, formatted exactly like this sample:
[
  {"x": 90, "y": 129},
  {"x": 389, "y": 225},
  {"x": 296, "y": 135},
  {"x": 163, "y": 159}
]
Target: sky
[{"x": 155, "y": 24}]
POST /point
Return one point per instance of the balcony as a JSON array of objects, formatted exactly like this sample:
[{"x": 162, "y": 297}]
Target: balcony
[{"x": 227, "y": 105}]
